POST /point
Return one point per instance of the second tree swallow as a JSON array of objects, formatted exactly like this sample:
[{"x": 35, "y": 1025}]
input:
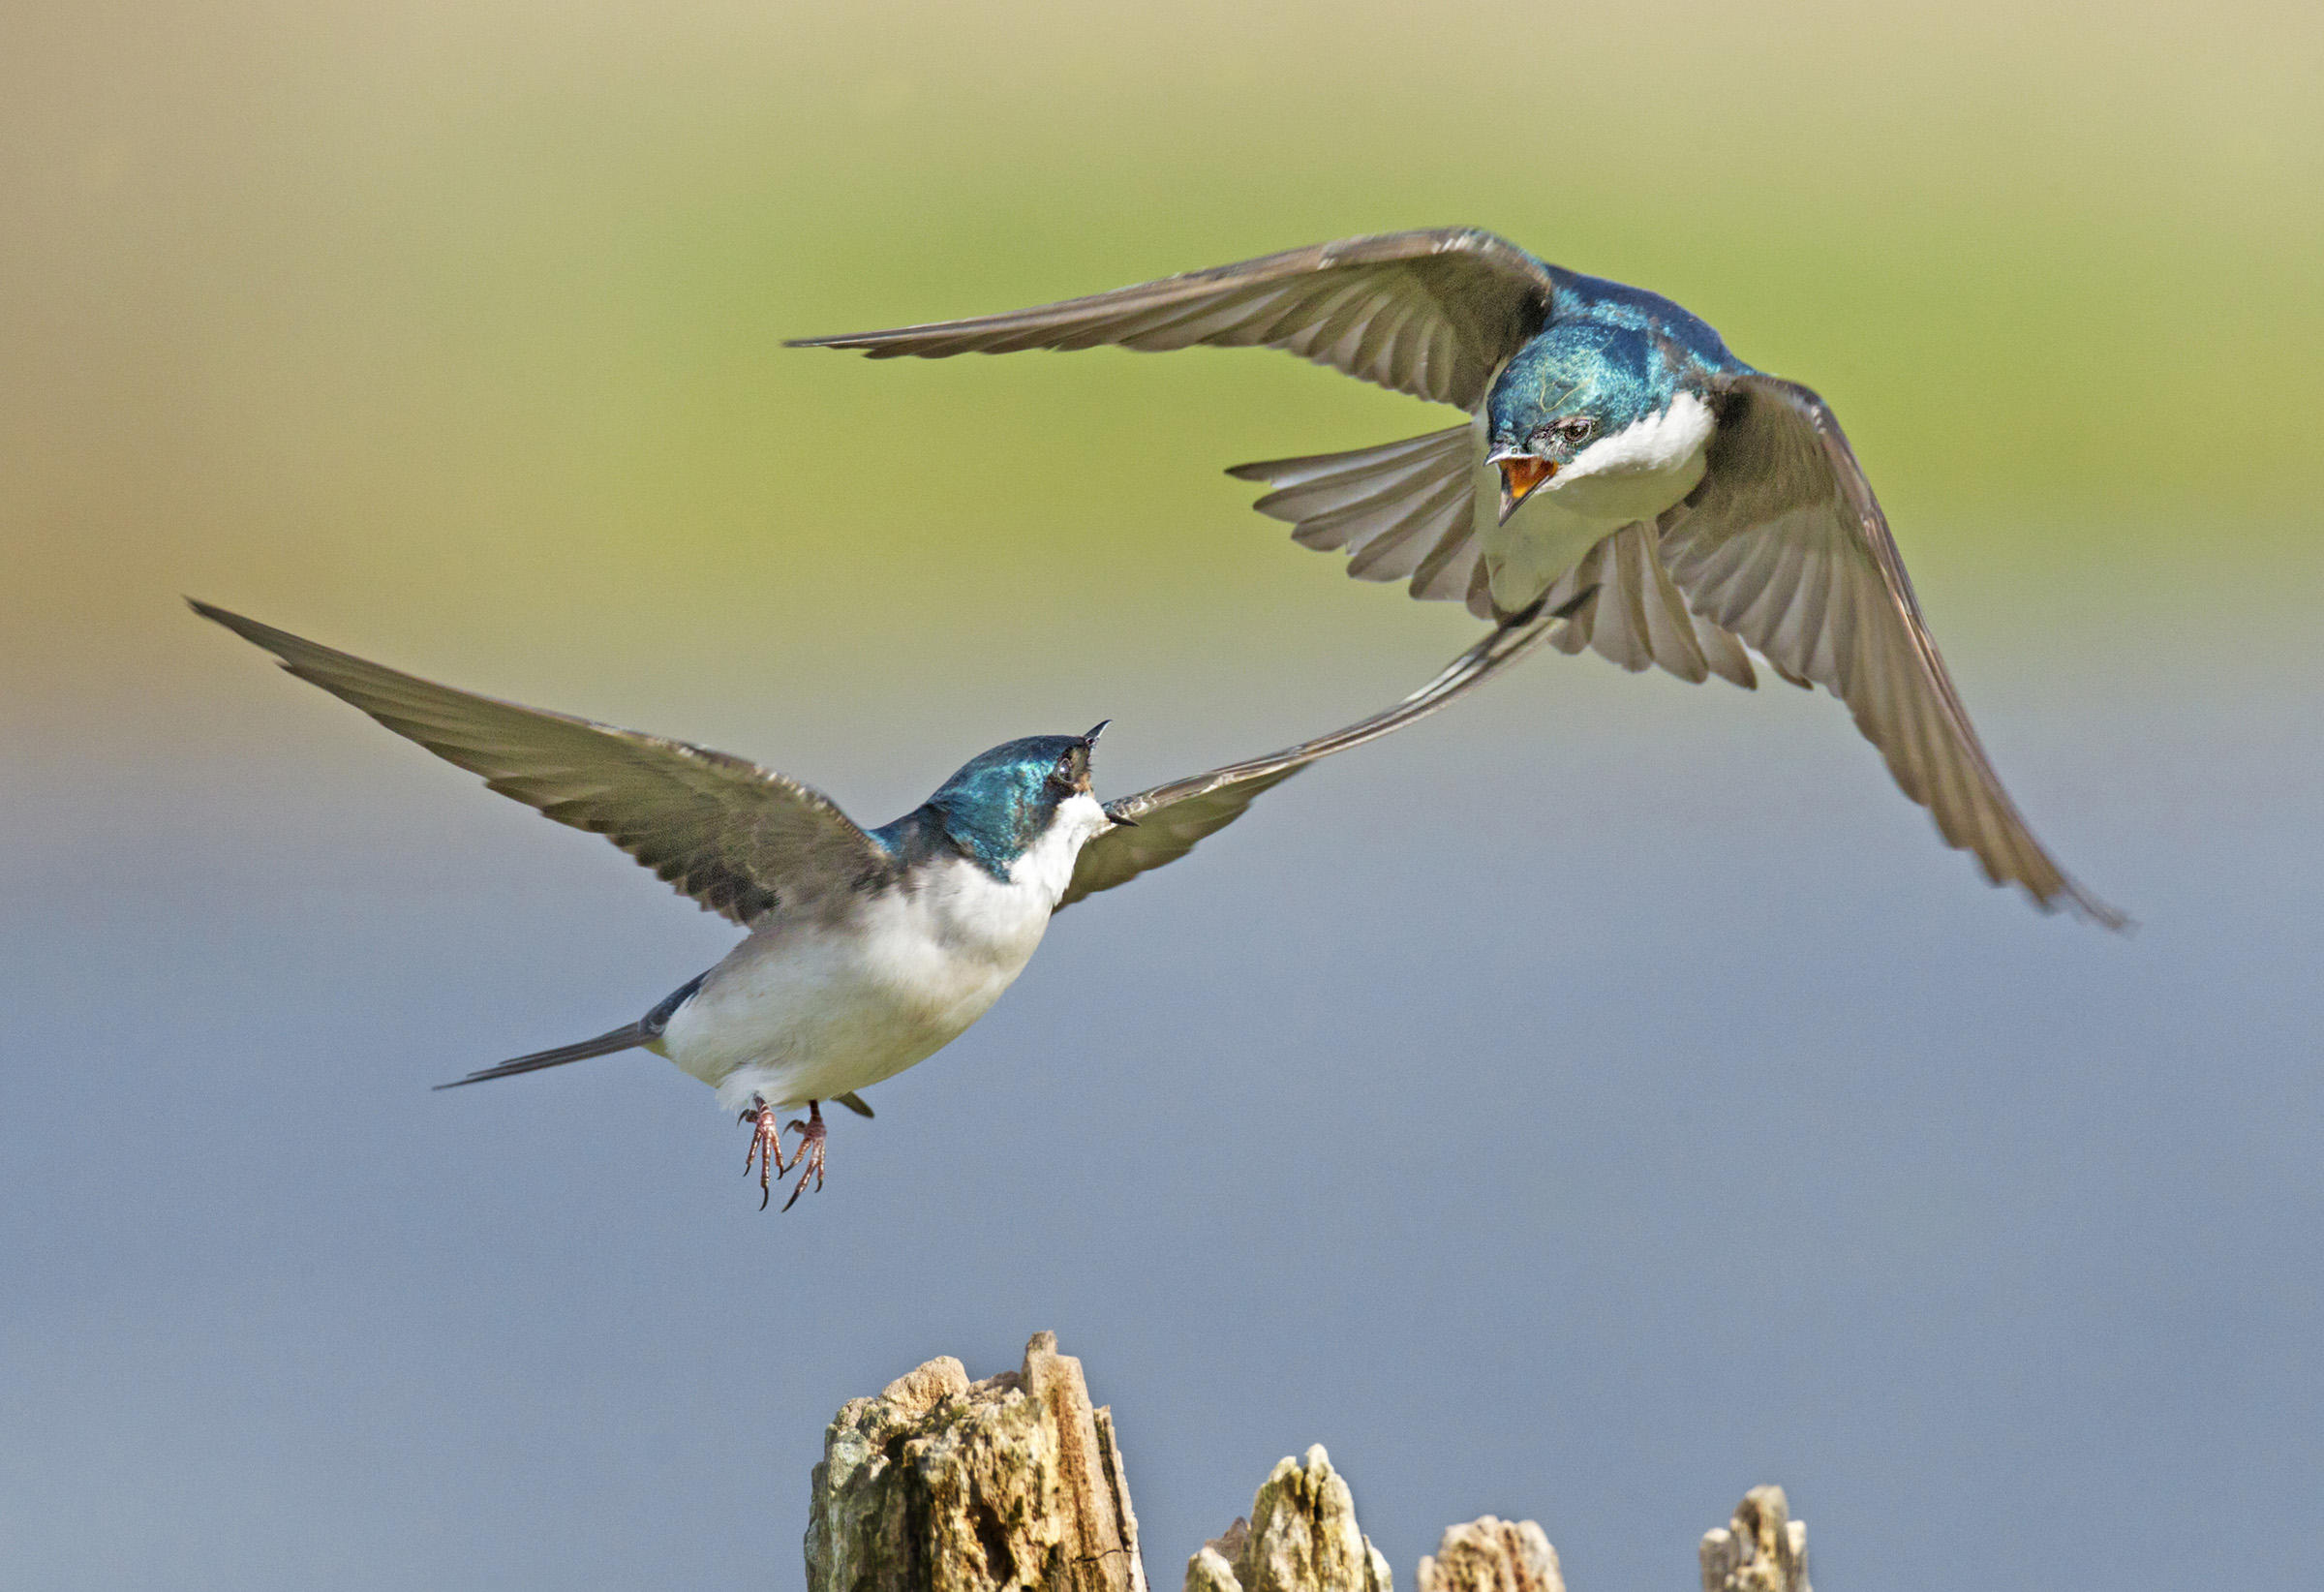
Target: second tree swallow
[
  {"x": 1613, "y": 442},
  {"x": 867, "y": 949}
]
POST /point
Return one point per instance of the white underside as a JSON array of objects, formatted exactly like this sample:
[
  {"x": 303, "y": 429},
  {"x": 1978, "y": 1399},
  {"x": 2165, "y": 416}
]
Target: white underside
[
  {"x": 1631, "y": 476},
  {"x": 808, "y": 1010}
]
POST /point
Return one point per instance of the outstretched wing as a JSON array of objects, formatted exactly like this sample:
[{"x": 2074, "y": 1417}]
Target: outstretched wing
[
  {"x": 1163, "y": 824},
  {"x": 1785, "y": 545},
  {"x": 741, "y": 839},
  {"x": 1432, "y": 313}
]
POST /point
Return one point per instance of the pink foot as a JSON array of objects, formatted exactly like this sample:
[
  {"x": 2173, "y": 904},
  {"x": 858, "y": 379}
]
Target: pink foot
[
  {"x": 766, "y": 1148},
  {"x": 810, "y": 1158}
]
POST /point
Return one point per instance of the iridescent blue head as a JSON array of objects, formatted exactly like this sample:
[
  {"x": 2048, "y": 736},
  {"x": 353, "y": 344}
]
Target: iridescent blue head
[
  {"x": 1571, "y": 385},
  {"x": 1611, "y": 357},
  {"x": 1003, "y": 800}
]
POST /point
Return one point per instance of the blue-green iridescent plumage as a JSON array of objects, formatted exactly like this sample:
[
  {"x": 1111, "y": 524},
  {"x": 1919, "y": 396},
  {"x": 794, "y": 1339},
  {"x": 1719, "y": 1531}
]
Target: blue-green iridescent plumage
[
  {"x": 995, "y": 806},
  {"x": 1613, "y": 352},
  {"x": 1580, "y": 297}
]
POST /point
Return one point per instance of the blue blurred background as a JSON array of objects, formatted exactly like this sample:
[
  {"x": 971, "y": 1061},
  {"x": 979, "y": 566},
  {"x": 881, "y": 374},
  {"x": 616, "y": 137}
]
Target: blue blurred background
[{"x": 1598, "y": 1100}]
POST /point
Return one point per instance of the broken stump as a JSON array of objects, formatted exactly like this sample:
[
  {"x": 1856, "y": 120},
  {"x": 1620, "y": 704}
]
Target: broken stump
[
  {"x": 944, "y": 1484},
  {"x": 1302, "y": 1537},
  {"x": 1015, "y": 1484}
]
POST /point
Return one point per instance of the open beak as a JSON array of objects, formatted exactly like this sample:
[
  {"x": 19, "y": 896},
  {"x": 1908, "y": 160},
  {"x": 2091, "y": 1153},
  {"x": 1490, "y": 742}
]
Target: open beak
[{"x": 1520, "y": 474}]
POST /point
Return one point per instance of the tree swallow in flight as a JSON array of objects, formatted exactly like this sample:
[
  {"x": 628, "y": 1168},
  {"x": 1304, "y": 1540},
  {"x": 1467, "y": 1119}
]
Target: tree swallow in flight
[
  {"x": 1613, "y": 443},
  {"x": 867, "y": 949}
]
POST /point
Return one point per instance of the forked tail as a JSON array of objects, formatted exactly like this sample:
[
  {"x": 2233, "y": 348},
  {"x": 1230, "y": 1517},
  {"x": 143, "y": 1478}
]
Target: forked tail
[
  {"x": 627, "y": 1037},
  {"x": 644, "y": 1031}
]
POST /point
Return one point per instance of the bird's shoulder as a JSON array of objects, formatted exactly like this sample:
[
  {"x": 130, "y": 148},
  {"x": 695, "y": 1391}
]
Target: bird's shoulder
[{"x": 912, "y": 843}]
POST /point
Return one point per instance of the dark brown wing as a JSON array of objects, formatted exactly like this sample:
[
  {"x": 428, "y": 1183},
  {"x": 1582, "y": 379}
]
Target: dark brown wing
[
  {"x": 1785, "y": 545},
  {"x": 739, "y": 839},
  {"x": 1432, "y": 313},
  {"x": 1171, "y": 820}
]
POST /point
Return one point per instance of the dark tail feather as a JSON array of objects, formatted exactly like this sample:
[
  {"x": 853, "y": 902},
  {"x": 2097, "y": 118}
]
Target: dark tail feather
[{"x": 626, "y": 1037}]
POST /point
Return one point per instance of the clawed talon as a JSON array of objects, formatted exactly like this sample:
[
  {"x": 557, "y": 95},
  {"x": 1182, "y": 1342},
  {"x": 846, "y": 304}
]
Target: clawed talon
[
  {"x": 766, "y": 1148},
  {"x": 810, "y": 1157}
]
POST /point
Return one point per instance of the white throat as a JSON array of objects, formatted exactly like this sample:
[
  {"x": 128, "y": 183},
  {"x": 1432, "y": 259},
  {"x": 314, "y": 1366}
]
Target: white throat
[
  {"x": 1047, "y": 865},
  {"x": 1669, "y": 443}
]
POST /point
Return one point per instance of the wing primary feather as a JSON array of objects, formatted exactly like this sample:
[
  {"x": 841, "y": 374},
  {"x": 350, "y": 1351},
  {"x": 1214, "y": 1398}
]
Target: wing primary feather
[
  {"x": 1785, "y": 545},
  {"x": 1431, "y": 313},
  {"x": 1158, "y": 826},
  {"x": 741, "y": 839}
]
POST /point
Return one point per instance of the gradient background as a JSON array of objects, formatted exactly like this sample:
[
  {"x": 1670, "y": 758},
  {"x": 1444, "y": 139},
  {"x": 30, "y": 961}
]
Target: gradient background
[{"x": 1599, "y": 1100}]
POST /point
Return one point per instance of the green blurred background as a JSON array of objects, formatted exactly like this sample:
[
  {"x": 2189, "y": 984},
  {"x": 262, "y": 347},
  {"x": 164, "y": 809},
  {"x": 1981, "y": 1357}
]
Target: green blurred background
[
  {"x": 1606, "y": 1097},
  {"x": 468, "y": 314}
]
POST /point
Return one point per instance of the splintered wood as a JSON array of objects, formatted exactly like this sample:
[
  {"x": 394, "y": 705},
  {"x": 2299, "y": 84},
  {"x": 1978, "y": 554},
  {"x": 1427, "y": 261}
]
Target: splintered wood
[
  {"x": 944, "y": 1485},
  {"x": 1014, "y": 1483}
]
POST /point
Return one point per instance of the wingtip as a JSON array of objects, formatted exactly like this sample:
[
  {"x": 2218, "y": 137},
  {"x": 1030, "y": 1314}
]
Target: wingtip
[
  {"x": 282, "y": 644},
  {"x": 2071, "y": 899},
  {"x": 845, "y": 342},
  {"x": 248, "y": 628}
]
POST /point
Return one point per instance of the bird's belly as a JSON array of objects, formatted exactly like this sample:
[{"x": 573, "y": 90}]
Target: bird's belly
[
  {"x": 1542, "y": 542},
  {"x": 809, "y": 1014}
]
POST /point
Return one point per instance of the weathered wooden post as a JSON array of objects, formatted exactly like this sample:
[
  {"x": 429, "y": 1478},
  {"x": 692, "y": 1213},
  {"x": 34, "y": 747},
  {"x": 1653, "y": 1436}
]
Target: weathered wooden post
[
  {"x": 944, "y": 1484},
  {"x": 1015, "y": 1484}
]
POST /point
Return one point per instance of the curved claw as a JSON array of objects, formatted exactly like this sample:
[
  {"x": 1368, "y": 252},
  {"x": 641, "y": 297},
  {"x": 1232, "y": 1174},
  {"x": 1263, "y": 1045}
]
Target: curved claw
[
  {"x": 765, "y": 1149},
  {"x": 810, "y": 1157}
]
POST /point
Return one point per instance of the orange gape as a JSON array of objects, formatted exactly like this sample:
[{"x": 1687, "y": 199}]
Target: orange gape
[{"x": 1521, "y": 476}]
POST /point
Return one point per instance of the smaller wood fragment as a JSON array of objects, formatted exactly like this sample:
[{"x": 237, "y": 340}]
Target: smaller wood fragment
[
  {"x": 1493, "y": 1555},
  {"x": 1302, "y": 1537},
  {"x": 1762, "y": 1549}
]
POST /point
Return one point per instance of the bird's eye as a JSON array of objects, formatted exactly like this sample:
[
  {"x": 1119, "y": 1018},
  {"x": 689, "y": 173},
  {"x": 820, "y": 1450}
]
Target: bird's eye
[{"x": 1570, "y": 432}]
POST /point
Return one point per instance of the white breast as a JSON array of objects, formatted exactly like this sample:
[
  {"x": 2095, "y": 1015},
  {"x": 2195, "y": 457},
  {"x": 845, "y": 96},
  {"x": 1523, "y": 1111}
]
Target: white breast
[
  {"x": 807, "y": 1011},
  {"x": 1633, "y": 475}
]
